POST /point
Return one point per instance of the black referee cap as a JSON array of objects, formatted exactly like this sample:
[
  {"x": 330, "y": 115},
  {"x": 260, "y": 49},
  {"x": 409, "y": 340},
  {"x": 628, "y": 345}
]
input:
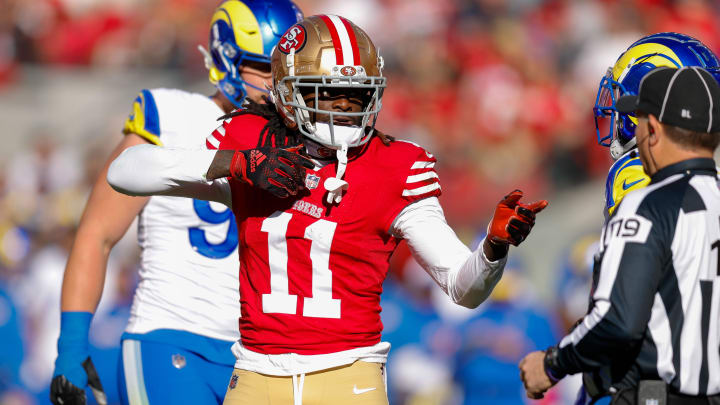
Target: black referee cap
[{"x": 688, "y": 98}]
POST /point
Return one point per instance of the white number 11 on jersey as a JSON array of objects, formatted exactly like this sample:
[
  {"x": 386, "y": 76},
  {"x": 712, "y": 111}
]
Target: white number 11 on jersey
[{"x": 320, "y": 233}]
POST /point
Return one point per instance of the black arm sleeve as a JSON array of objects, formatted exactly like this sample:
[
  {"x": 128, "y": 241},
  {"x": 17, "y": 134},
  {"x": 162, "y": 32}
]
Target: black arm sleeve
[{"x": 631, "y": 266}]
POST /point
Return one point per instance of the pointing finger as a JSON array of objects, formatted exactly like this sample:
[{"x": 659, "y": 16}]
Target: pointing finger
[
  {"x": 512, "y": 198},
  {"x": 537, "y": 206}
]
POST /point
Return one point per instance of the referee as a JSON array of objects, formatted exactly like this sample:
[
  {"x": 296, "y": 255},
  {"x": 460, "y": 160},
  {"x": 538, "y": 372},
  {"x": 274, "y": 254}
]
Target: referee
[{"x": 654, "y": 326}]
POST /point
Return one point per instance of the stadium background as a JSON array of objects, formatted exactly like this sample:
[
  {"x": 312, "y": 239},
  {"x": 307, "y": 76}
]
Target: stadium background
[{"x": 500, "y": 91}]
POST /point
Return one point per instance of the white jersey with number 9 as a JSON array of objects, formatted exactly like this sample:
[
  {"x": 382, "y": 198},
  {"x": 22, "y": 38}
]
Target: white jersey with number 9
[{"x": 189, "y": 266}]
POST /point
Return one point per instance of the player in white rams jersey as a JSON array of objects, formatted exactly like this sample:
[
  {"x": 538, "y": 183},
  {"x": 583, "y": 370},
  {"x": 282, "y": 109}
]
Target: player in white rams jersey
[
  {"x": 188, "y": 280},
  {"x": 176, "y": 348}
]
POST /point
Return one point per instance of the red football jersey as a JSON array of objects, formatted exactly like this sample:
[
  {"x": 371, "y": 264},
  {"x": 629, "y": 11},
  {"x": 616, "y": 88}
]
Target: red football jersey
[{"x": 311, "y": 273}]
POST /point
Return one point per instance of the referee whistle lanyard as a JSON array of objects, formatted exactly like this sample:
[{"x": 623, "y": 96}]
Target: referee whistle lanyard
[{"x": 298, "y": 382}]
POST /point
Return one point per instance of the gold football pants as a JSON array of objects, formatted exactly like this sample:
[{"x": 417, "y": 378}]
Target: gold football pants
[{"x": 357, "y": 383}]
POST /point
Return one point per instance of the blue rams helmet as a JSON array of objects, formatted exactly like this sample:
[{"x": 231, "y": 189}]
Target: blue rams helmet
[
  {"x": 244, "y": 32},
  {"x": 664, "y": 49}
]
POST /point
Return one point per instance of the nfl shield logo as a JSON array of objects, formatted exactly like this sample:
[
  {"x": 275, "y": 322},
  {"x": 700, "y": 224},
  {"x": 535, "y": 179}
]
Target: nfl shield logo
[
  {"x": 312, "y": 181},
  {"x": 178, "y": 361},
  {"x": 233, "y": 381}
]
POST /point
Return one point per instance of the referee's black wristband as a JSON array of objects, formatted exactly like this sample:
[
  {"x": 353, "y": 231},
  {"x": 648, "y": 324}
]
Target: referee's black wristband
[{"x": 551, "y": 366}]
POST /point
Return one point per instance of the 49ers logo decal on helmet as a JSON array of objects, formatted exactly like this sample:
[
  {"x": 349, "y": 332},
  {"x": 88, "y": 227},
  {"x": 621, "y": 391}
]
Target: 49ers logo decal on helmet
[
  {"x": 294, "y": 38},
  {"x": 348, "y": 71}
]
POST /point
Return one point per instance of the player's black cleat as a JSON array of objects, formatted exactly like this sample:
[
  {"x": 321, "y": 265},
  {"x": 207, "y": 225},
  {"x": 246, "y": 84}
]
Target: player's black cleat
[{"x": 63, "y": 392}]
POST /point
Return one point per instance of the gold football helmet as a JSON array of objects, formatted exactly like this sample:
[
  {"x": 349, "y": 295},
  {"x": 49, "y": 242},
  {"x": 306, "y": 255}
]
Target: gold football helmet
[{"x": 327, "y": 51}]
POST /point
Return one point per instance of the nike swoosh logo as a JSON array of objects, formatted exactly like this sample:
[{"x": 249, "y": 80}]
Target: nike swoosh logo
[
  {"x": 626, "y": 186},
  {"x": 356, "y": 391}
]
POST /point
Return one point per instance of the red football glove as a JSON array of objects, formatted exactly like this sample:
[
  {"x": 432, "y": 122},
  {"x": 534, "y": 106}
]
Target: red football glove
[
  {"x": 278, "y": 171},
  {"x": 512, "y": 220}
]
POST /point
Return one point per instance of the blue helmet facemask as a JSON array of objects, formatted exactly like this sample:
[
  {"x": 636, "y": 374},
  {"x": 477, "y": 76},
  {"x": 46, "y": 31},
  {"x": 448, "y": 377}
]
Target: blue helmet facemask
[{"x": 663, "y": 49}]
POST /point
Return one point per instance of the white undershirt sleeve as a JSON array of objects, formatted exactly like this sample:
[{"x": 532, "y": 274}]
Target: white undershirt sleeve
[
  {"x": 145, "y": 170},
  {"x": 467, "y": 277}
]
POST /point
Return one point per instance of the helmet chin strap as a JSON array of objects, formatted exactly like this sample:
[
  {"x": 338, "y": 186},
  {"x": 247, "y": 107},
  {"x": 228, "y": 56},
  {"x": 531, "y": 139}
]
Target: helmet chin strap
[
  {"x": 342, "y": 136},
  {"x": 335, "y": 185},
  {"x": 322, "y": 154}
]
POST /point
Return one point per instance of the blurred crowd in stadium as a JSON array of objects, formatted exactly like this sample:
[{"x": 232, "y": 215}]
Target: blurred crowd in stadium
[{"x": 499, "y": 90}]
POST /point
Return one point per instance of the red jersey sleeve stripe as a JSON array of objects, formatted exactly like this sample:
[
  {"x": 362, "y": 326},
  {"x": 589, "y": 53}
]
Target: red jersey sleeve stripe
[
  {"x": 428, "y": 190},
  {"x": 423, "y": 165},
  {"x": 335, "y": 39},
  {"x": 422, "y": 176},
  {"x": 421, "y": 183},
  {"x": 212, "y": 142}
]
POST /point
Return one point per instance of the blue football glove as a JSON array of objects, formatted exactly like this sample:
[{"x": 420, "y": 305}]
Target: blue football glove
[{"x": 73, "y": 368}]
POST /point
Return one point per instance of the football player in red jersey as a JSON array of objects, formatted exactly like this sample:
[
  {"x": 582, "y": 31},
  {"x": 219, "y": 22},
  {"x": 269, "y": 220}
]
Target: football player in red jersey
[
  {"x": 178, "y": 336},
  {"x": 321, "y": 201}
]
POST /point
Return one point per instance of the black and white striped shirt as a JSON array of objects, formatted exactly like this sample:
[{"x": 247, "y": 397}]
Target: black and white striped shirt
[{"x": 656, "y": 305}]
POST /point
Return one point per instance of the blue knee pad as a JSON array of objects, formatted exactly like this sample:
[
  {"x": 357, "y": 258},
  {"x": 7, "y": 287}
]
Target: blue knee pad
[{"x": 161, "y": 373}]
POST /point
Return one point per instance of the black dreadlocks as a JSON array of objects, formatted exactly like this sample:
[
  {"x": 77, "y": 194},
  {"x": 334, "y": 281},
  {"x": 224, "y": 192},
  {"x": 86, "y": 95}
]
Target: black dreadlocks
[
  {"x": 385, "y": 138},
  {"x": 275, "y": 134}
]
